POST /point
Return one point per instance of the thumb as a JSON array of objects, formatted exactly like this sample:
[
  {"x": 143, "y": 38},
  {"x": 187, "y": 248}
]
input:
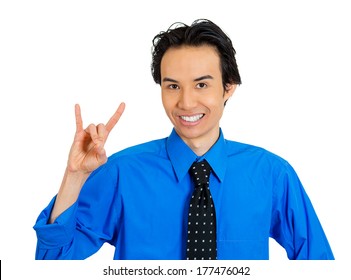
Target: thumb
[{"x": 101, "y": 153}]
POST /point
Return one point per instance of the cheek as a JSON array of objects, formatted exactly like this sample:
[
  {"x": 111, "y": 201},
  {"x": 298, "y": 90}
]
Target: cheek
[
  {"x": 216, "y": 104},
  {"x": 167, "y": 104}
]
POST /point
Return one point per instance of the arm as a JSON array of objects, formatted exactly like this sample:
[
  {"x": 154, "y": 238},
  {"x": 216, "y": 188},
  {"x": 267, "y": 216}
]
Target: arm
[
  {"x": 64, "y": 230},
  {"x": 295, "y": 224},
  {"x": 86, "y": 225},
  {"x": 87, "y": 154}
]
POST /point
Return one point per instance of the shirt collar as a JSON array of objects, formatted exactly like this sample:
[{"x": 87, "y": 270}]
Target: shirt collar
[{"x": 182, "y": 157}]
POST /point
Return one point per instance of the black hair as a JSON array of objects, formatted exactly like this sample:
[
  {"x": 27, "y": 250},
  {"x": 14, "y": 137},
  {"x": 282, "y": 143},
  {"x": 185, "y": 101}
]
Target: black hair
[{"x": 201, "y": 32}]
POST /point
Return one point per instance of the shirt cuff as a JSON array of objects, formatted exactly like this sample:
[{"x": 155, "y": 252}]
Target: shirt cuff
[{"x": 59, "y": 233}]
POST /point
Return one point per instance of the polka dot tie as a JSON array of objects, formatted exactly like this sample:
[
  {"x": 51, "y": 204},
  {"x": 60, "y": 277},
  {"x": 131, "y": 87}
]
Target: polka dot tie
[{"x": 201, "y": 243}]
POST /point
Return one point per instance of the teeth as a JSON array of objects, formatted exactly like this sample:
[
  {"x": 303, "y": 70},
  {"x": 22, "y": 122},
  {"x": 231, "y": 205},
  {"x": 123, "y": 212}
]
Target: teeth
[{"x": 192, "y": 118}]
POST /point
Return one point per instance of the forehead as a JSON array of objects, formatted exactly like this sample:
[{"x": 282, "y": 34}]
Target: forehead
[{"x": 190, "y": 61}]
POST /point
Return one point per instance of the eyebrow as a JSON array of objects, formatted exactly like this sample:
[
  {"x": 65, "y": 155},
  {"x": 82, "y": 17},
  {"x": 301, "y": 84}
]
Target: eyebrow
[
  {"x": 169, "y": 80},
  {"x": 206, "y": 77},
  {"x": 166, "y": 79}
]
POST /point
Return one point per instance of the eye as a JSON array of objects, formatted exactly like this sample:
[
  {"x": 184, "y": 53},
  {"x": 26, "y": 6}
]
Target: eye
[
  {"x": 173, "y": 86},
  {"x": 201, "y": 85}
]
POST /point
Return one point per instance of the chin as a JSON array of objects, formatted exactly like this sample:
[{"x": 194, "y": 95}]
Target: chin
[{"x": 188, "y": 133}]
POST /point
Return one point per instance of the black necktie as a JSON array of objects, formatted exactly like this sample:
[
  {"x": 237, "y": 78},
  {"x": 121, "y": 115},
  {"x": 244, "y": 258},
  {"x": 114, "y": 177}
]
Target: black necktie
[{"x": 201, "y": 243}]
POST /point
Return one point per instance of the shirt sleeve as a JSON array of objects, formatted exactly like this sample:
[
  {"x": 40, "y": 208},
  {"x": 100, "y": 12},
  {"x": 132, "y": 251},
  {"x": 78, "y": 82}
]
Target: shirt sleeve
[
  {"x": 83, "y": 228},
  {"x": 295, "y": 224}
]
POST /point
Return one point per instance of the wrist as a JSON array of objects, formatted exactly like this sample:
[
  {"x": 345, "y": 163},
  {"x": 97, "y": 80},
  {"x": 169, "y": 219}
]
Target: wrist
[
  {"x": 75, "y": 178},
  {"x": 71, "y": 186}
]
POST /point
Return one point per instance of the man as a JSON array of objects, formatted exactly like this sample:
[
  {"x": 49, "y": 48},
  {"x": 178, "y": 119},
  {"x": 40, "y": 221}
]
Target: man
[{"x": 143, "y": 201}]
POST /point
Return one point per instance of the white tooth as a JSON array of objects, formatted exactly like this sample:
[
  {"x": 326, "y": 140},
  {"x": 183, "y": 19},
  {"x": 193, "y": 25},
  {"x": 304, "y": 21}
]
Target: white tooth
[{"x": 192, "y": 118}]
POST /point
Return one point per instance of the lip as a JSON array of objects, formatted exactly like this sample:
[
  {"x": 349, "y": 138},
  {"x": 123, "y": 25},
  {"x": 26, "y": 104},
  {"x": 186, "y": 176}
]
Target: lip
[{"x": 191, "y": 120}]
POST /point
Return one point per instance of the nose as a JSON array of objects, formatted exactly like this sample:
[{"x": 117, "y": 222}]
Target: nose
[{"x": 187, "y": 99}]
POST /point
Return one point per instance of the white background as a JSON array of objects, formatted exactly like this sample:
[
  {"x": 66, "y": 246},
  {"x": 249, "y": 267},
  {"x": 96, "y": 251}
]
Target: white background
[{"x": 293, "y": 57}]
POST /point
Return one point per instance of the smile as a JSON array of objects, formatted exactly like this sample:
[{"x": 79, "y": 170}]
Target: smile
[{"x": 194, "y": 118}]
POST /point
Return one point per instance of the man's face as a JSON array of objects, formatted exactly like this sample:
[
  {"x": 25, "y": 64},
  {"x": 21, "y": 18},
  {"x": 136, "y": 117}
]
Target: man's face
[{"x": 192, "y": 93}]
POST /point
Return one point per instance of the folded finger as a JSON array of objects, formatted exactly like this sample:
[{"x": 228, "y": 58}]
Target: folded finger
[
  {"x": 92, "y": 131},
  {"x": 101, "y": 131}
]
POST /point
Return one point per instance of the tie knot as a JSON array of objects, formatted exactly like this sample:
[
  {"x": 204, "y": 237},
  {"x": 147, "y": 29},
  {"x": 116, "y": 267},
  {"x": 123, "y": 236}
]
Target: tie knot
[{"x": 200, "y": 172}]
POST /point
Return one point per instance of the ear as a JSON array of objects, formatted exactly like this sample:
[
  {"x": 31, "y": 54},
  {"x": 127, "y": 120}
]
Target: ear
[{"x": 229, "y": 90}]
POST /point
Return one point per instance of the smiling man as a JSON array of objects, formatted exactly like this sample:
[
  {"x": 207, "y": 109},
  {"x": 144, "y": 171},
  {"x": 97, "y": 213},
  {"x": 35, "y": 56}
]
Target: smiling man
[
  {"x": 193, "y": 95},
  {"x": 191, "y": 195}
]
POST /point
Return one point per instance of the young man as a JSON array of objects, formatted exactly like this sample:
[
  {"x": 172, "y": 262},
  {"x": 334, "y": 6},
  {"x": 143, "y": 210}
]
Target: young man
[{"x": 142, "y": 200}]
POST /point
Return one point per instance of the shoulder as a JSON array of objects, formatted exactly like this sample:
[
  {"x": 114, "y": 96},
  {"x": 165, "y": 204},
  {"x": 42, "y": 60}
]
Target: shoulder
[
  {"x": 154, "y": 148},
  {"x": 151, "y": 151},
  {"x": 257, "y": 160},
  {"x": 254, "y": 154}
]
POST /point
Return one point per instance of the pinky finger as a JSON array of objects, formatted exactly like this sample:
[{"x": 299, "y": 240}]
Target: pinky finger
[{"x": 79, "y": 121}]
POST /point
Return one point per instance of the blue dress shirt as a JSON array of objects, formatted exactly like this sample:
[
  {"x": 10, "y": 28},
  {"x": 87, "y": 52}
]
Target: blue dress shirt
[{"x": 138, "y": 202}]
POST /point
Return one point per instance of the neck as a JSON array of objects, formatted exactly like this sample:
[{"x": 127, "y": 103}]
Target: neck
[{"x": 202, "y": 145}]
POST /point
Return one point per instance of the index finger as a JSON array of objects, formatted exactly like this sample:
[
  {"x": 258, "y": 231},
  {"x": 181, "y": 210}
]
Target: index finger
[{"x": 115, "y": 118}]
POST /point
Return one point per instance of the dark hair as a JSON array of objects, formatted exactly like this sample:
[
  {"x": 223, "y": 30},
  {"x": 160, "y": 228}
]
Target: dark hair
[{"x": 201, "y": 32}]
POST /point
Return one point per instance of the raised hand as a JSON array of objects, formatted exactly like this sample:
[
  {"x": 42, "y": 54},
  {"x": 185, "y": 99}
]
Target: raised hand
[{"x": 87, "y": 151}]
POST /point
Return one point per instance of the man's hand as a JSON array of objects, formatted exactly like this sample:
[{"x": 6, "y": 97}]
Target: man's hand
[{"x": 87, "y": 152}]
